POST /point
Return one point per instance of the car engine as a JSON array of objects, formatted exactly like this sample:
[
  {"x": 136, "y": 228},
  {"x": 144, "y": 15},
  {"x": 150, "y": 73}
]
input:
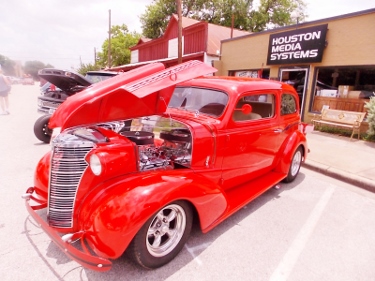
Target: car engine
[{"x": 173, "y": 151}]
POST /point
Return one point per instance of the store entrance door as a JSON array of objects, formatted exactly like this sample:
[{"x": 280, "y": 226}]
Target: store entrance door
[{"x": 298, "y": 79}]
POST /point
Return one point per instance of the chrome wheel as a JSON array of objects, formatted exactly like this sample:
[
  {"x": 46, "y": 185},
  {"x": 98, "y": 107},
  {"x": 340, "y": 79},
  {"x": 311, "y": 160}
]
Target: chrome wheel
[
  {"x": 166, "y": 230},
  {"x": 162, "y": 237},
  {"x": 296, "y": 163}
]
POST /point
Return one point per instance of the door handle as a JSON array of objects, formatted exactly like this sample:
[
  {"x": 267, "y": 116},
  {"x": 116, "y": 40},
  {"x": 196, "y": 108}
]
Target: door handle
[{"x": 278, "y": 130}]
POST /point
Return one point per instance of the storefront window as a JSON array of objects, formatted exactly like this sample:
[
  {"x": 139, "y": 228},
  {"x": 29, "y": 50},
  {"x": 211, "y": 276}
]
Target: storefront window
[
  {"x": 252, "y": 73},
  {"x": 344, "y": 88}
]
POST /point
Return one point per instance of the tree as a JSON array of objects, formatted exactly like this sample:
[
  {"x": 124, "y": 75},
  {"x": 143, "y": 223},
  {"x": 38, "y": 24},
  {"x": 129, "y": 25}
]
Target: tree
[
  {"x": 157, "y": 15},
  {"x": 277, "y": 13},
  {"x": 268, "y": 14},
  {"x": 32, "y": 68},
  {"x": 370, "y": 106},
  {"x": 84, "y": 68},
  {"x": 121, "y": 41},
  {"x": 7, "y": 65}
]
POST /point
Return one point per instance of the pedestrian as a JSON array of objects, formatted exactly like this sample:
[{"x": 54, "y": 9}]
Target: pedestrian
[{"x": 5, "y": 87}]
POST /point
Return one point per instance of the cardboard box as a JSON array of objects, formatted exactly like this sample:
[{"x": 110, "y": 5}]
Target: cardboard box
[
  {"x": 355, "y": 95},
  {"x": 344, "y": 90},
  {"x": 328, "y": 93}
]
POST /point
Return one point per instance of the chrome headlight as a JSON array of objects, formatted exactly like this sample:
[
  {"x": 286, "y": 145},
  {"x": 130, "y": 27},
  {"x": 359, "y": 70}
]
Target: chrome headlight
[
  {"x": 55, "y": 133},
  {"x": 95, "y": 165}
]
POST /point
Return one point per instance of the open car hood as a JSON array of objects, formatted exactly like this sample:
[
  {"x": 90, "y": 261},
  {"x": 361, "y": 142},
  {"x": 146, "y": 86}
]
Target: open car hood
[
  {"x": 143, "y": 91},
  {"x": 62, "y": 79}
]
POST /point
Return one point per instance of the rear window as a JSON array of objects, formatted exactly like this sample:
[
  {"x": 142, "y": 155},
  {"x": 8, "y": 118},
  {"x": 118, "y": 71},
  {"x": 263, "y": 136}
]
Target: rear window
[
  {"x": 288, "y": 104},
  {"x": 95, "y": 78}
]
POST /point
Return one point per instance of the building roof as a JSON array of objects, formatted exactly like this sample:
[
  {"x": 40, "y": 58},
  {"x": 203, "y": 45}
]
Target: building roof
[
  {"x": 216, "y": 33},
  {"x": 166, "y": 61},
  {"x": 143, "y": 40}
]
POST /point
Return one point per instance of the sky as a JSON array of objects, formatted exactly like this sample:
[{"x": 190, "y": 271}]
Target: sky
[{"x": 65, "y": 33}]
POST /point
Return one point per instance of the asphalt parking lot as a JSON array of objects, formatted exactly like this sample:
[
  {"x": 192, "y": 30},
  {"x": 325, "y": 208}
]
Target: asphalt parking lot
[{"x": 315, "y": 228}]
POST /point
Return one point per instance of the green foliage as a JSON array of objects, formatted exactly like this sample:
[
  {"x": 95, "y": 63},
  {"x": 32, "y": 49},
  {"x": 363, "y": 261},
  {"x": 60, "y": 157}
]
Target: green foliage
[
  {"x": 2, "y": 60},
  {"x": 156, "y": 18},
  {"x": 121, "y": 40},
  {"x": 334, "y": 130},
  {"x": 7, "y": 66},
  {"x": 370, "y": 106},
  {"x": 369, "y": 138},
  {"x": 84, "y": 68},
  {"x": 269, "y": 14},
  {"x": 344, "y": 132},
  {"x": 277, "y": 13},
  {"x": 32, "y": 68}
]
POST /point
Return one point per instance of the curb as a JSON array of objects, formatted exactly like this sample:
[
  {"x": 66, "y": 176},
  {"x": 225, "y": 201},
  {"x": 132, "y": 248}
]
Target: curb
[{"x": 358, "y": 181}]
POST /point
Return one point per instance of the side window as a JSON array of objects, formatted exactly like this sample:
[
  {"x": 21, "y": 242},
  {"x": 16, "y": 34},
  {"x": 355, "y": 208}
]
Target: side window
[
  {"x": 254, "y": 107},
  {"x": 288, "y": 104}
]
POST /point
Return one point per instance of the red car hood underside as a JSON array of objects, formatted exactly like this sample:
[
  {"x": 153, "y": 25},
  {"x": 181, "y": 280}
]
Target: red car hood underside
[{"x": 143, "y": 91}]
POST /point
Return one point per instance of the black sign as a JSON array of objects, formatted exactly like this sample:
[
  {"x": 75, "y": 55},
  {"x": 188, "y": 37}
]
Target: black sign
[{"x": 297, "y": 46}]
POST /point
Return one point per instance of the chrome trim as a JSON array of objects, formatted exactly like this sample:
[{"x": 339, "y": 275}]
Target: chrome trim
[
  {"x": 26, "y": 196},
  {"x": 50, "y": 104}
]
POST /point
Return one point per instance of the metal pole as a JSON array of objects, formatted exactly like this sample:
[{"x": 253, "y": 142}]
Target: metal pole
[
  {"x": 232, "y": 26},
  {"x": 109, "y": 41},
  {"x": 178, "y": 3}
]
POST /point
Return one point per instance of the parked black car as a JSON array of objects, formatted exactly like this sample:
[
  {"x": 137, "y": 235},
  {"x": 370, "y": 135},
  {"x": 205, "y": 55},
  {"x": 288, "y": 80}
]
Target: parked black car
[{"x": 60, "y": 85}]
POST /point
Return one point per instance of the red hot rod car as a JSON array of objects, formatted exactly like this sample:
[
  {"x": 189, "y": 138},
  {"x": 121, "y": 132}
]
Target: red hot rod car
[{"x": 184, "y": 149}]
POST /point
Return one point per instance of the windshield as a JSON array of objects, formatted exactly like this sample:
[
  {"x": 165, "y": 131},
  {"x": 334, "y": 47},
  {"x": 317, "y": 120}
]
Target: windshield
[
  {"x": 207, "y": 101},
  {"x": 97, "y": 77}
]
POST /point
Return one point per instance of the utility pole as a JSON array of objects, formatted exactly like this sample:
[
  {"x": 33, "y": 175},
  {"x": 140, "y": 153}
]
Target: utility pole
[
  {"x": 109, "y": 41},
  {"x": 232, "y": 26},
  {"x": 178, "y": 3}
]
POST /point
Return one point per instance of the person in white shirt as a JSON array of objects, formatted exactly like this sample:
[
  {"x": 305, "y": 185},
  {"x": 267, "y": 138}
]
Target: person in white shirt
[{"x": 5, "y": 87}]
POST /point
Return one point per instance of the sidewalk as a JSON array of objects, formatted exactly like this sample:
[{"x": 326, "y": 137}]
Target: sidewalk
[{"x": 352, "y": 161}]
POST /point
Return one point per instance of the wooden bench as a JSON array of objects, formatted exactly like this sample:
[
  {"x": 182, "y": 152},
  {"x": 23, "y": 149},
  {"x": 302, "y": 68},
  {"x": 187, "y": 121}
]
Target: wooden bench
[{"x": 341, "y": 118}]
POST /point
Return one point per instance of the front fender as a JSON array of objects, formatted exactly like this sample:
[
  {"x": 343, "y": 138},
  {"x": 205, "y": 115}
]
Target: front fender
[
  {"x": 112, "y": 216},
  {"x": 41, "y": 176}
]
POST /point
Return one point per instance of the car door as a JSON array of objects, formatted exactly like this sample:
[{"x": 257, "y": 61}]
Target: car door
[{"x": 252, "y": 138}]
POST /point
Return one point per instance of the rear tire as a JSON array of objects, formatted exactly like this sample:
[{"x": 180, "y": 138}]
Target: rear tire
[
  {"x": 162, "y": 237},
  {"x": 295, "y": 165},
  {"x": 41, "y": 130}
]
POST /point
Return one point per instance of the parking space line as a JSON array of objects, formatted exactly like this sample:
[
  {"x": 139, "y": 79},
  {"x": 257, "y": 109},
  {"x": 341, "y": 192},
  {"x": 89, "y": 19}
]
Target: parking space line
[
  {"x": 287, "y": 263},
  {"x": 196, "y": 248}
]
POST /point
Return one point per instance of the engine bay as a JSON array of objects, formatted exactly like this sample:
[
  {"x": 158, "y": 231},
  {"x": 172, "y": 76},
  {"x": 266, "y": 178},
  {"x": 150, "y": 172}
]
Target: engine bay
[{"x": 162, "y": 143}]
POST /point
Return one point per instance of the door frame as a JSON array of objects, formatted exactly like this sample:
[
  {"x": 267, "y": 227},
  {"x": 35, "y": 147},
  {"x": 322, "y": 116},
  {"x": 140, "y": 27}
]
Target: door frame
[{"x": 306, "y": 69}]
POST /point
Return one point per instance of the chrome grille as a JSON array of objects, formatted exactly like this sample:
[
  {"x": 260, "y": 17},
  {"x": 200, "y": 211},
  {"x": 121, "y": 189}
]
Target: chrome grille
[
  {"x": 50, "y": 104},
  {"x": 67, "y": 167}
]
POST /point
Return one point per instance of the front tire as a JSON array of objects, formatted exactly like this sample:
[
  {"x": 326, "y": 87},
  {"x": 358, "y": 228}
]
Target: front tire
[
  {"x": 41, "y": 130},
  {"x": 295, "y": 165},
  {"x": 162, "y": 237}
]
